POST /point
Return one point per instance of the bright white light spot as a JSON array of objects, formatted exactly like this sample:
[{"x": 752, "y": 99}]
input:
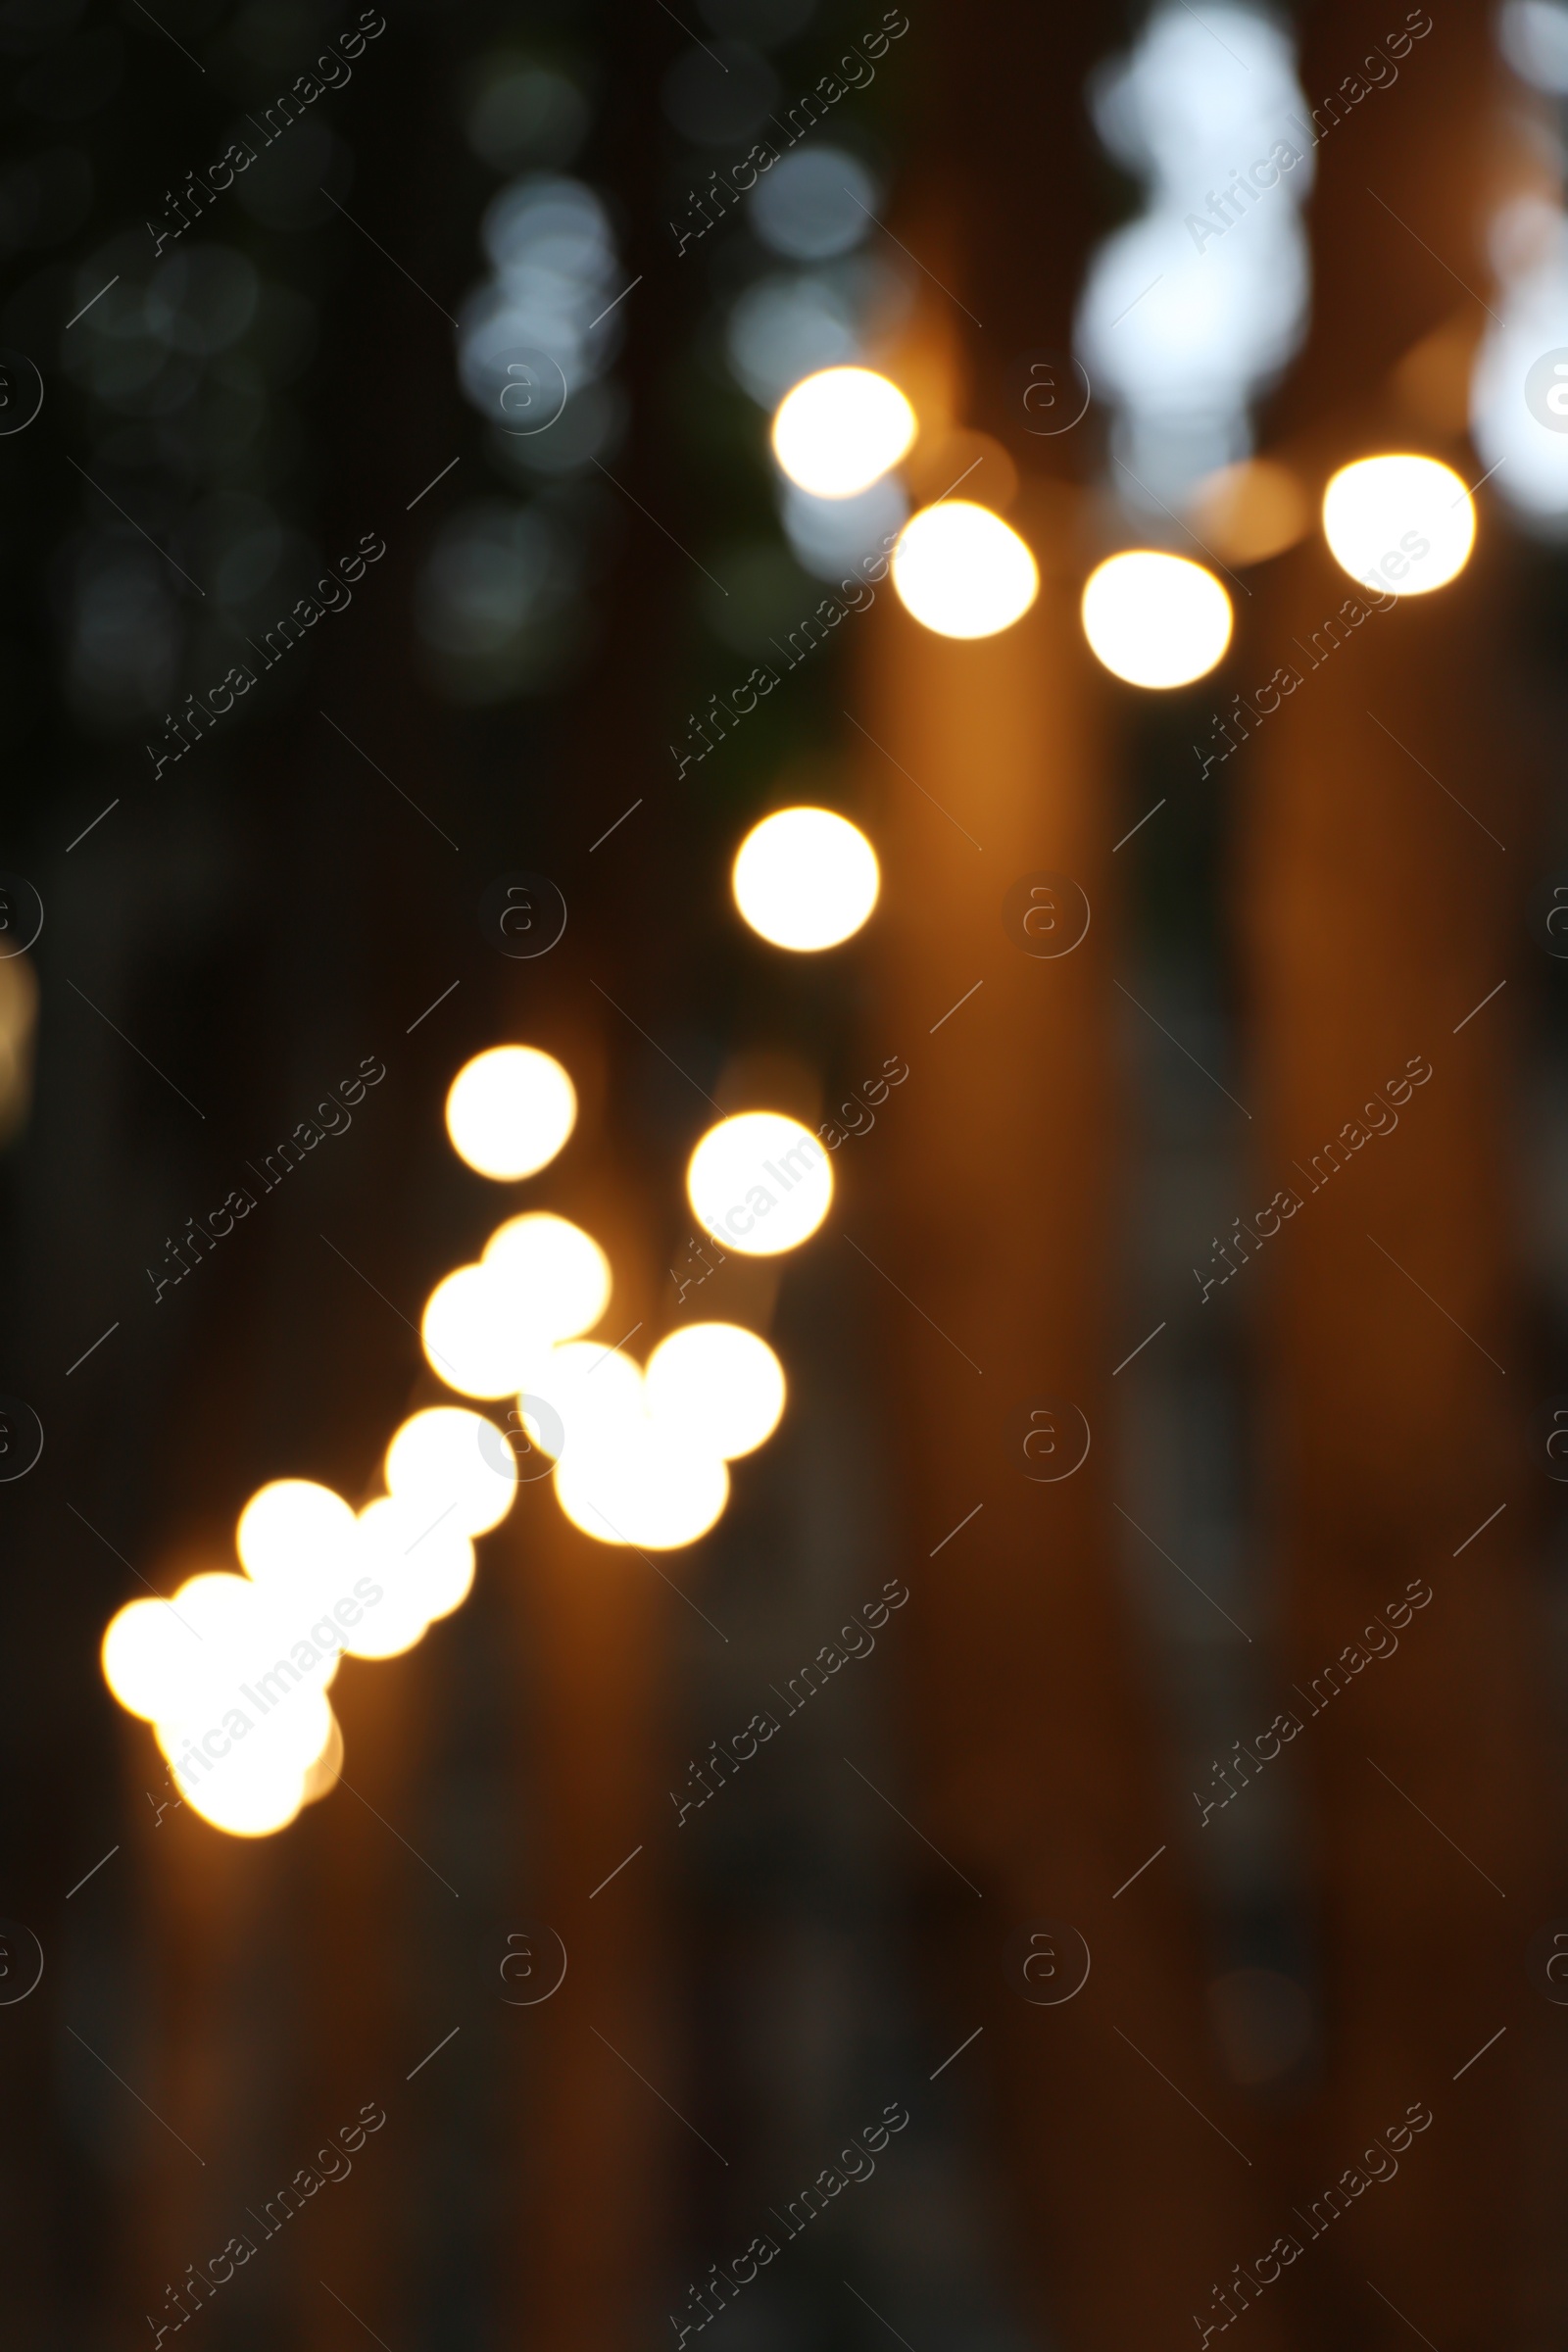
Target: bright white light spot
[
  {"x": 805, "y": 879},
  {"x": 840, "y": 431},
  {"x": 147, "y": 1658},
  {"x": 469, "y": 1337},
  {"x": 510, "y": 1110},
  {"x": 448, "y": 1463},
  {"x": 760, "y": 1182},
  {"x": 542, "y": 1280},
  {"x": 1155, "y": 619},
  {"x": 640, "y": 1488},
  {"x": 580, "y": 1395},
  {"x": 961, "y": 572},
  {"x": 246, "y": 1801},
  {"x": 716, "y": 1387},
  {"x": 557, "y": 1274},
  {"x": 297, "y": 1537},
  {"x": 1399, "y": 524},
  {"x": 397, "y": 1535}
]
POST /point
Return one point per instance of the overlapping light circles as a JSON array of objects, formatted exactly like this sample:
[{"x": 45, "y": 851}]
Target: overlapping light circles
[
  {"x": 1155, "y": 619},
  {"x": 233, "y": 1670},
  {"x": 962, "y": 572},
  {"x": 842, "y": 430},
  {"x": 1399, "y": 524},
  {"x": 806, "y": 879}
]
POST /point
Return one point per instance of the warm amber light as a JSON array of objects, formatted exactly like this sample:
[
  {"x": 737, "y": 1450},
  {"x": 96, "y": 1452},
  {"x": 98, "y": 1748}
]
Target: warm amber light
[
  {"x": 716, "y": 1386},
  {"x": 447, "y": 1462},
  {"x": 1155, "y": 619},
  {"x": 760, "y": 1182},
  {"x": 510, "y": 1110},
  {"x": 962, "y": 572},
  {"x": 640, "y": 1488},
  {"x": 1400, "y": 525},
  {"x": 838, "y": 431},
  {"x": 806, "y": 879}
]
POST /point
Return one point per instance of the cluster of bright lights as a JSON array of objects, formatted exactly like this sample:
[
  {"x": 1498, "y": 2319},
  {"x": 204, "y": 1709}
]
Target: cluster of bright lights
[
  {"x": 233, "y": 1670},
  {"x": 1399, "y": 524}
]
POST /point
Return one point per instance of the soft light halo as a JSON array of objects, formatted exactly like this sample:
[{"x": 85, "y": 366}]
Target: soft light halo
[
  {"x": 510, "y": 1110},
  {"x": 806, "y": 879},
  {"x": 760, "y": 1182},
  {"x": 444, "y": 1460},
  {"x": 556, "y": 1276},
  {"x": 470, "y": 1338},
  {"x": 962, "y": 572},
  {"x": 147, "y": 1659},
  {"x": 295, "y": 1536},
  {"x": 1155, "y": 619},
  {"x": 837, "y": 432},
  {"x": 642, "y": 1489},
  {"x": 716, "y": 1386},
  {"x": 1400, "y": 525}
]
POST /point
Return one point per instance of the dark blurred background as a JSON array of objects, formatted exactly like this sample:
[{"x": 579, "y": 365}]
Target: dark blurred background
[{"x": 243, "y": 385}]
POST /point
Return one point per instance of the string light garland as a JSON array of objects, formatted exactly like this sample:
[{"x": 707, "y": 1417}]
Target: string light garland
[{"x": 232, "y": 1670}]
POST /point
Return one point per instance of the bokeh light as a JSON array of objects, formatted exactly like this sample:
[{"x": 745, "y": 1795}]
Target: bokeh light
[
  {"x": 1155, "y": 619},
  {"x": 760, "y": 1183},
  {"x": 840, "y": 431},
  {"x": 638, "y": 1488},
  {"x": 806, "y": 879},
  {"x": 580, "y": 1395},
  {"x": 962, "y": 572},
  {"x": 716, "y": 1386},
  {"x": 294, "y": 1536},
  {"x": 557, "y": 1274},
  {"x": 1400, "y": 525},
  {"x": 510, "y": 1110},
  {"x": 451, "y": 1464},
  {"x": 143, "y": 1661}
]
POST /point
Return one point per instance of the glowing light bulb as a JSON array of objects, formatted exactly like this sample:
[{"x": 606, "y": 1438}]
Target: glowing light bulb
[
  {"x": 760, "y": 1183},
  {"x": 1155, "y": 619},
  {"x": 717, "y": 1387},
  {"x": 451, "y": 1464},
  {"x": 1399, "y": 526},
  {"x": 838, "y": 431},
  {"x": 962, "y": 572},
  {"x": 298, "y": 1537},
  {"x": 806, "y": 879},
  {"x": 510, "y": 1110},
  {"x": 556, "y": 1275}
]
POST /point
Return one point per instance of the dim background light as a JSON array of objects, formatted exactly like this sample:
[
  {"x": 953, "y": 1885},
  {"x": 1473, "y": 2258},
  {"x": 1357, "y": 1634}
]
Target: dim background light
[
  {"x": 1403, "y": 525},
  {"x": 962, "y": 572},
  {"x": 510, "y": 1110},
  {"x": 1155, "y": 619},
  {"x": 806, "y": 879},
  {"x": 838, "y": 431},
  {"x": 760, "y": 1182}
]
